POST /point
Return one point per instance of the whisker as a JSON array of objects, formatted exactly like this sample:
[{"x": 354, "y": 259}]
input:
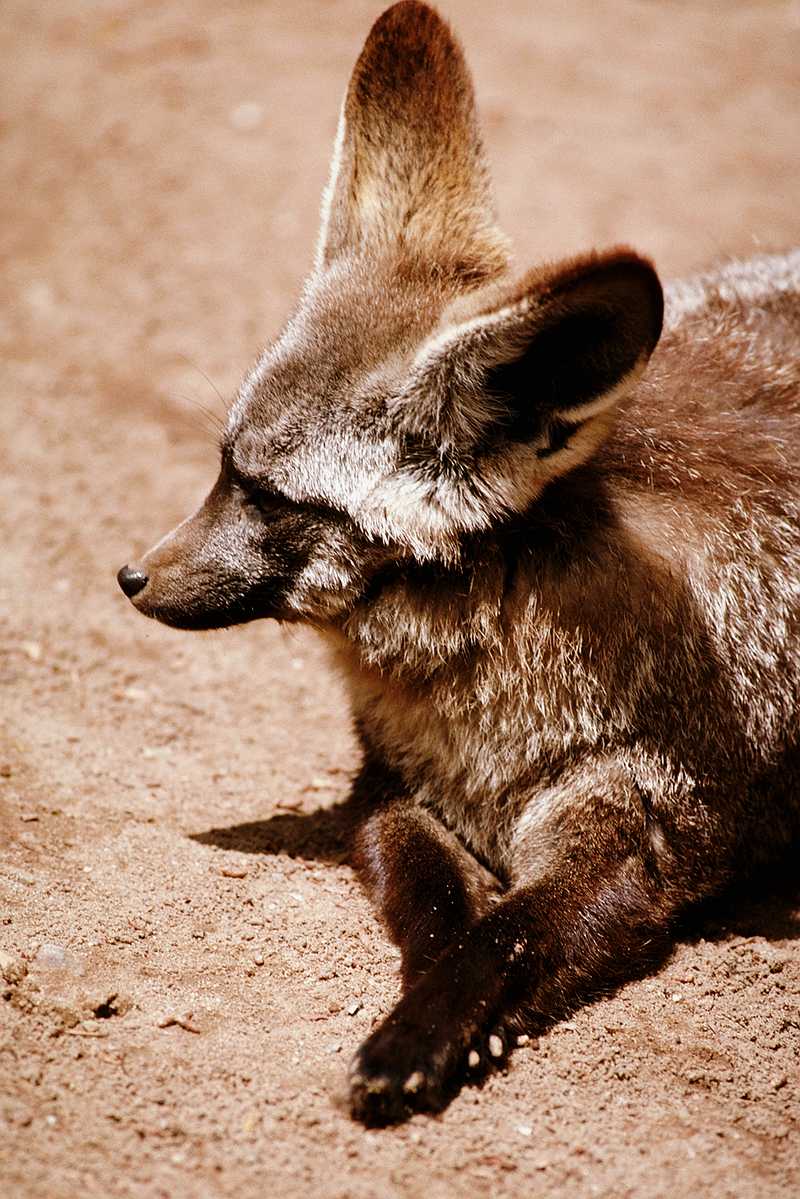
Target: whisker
[
  {"x": 211, "y": 416},
  {"x": 208, "y": 380},
  {"x": 209, "y": 423}
]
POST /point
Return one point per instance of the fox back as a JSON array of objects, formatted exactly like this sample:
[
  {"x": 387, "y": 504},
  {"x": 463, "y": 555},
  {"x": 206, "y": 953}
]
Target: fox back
[{"x": 549, "y": 526}]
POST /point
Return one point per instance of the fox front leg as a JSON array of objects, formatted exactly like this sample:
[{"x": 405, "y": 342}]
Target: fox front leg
[
  {"x": 426, "y": 886},
  {"x": 598, "y": 912}
]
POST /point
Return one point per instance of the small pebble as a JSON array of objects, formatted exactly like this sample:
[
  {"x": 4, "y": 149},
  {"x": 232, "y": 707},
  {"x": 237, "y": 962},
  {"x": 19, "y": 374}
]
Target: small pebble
[
  {"x": 233, "y": 872},
  {"x": 474, "y": 1059},
  {"x": 247, "y": 115},
  {"x": 523, "y": 1039},
  {"x": 524, "y": 1130},
  {"x": 495, "y": 1045},
  {"x": 354, "y": 1006},
  {"x": 289, "y": 805},
  {"x": 184, "y": 1022},
  {"x": 259, "y": 959},
  {"x": 50, "y": 956},
  {"x": 41, "y": 297}
]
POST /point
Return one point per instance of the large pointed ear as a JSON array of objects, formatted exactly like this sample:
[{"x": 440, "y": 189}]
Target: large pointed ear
[
  {"x": 541, "y": 362},
  {"x": 506, "y": 398},
  {"x": 408, "y": 168}
]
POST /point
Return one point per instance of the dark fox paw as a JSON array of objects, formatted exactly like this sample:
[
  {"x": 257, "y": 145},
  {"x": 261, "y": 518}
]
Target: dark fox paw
[
  {"x": 399, "y": 1071},
  {"x": 394, "y": 1075}
]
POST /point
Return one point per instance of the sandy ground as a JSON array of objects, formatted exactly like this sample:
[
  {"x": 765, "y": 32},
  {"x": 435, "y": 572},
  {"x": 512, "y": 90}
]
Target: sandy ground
[{"x": 189, "y": 962}]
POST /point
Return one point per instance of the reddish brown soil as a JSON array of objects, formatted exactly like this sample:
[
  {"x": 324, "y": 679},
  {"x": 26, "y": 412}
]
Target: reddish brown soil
[{"x": 166, "y": 823}]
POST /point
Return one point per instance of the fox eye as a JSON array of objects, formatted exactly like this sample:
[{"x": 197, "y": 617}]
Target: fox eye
[
  {"x": 265, "y": 500},
  {"x": 255, "y": 496}
]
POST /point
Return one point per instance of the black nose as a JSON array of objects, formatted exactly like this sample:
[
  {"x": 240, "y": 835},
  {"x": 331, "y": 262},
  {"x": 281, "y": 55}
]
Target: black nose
[{"x": 131, "y": 580}]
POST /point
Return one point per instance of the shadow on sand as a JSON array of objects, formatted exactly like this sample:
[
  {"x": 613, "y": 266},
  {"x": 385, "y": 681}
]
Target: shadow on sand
[
  {"x": 765, "y": 905},
  {"x": 324, "y": 835}
]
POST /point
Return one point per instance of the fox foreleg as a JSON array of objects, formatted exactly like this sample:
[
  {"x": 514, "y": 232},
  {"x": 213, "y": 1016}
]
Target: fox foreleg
[
  {"x": 425, "y": 884},
  {"x": 595, "y": 915}
]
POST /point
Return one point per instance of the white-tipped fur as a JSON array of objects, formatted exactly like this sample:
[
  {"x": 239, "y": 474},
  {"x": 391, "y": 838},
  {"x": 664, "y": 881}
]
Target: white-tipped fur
[
  {"x": 328, "y": 193},
  {"x": 749, "y": 284}
]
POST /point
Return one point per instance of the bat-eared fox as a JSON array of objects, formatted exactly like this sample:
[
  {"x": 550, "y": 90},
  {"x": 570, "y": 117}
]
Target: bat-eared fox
[{"x": 549, "y": 527}]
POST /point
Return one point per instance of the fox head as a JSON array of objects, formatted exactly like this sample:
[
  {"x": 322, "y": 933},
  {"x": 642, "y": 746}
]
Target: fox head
[{"x": 419, "y": 394}]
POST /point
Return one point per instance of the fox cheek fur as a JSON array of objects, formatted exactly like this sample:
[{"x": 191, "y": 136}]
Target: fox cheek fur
[{"x": 561, "y": 583}]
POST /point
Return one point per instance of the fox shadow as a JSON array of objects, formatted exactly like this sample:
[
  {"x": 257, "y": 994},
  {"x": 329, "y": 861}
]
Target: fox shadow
[
  {"x": 324, "y": 835},
  {"x": 765, "y": 904}
]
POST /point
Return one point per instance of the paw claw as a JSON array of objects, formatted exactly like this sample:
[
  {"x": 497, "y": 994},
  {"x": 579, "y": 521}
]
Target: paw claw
[
  {"x": 496, "y": 1046},
  {"x": 415, "y": 1082}
]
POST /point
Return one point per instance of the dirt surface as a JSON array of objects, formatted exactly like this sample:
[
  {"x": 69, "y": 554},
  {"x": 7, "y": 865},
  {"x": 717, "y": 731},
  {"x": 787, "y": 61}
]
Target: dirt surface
[{"x": 188, "y": 960}]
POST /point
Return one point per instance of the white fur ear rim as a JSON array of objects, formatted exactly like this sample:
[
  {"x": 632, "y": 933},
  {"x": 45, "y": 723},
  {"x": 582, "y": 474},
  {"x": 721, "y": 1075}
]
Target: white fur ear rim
[
  {"x": 514, "y": 336},
  {"x": 438, "y": 374},
  {"x": 326, "y": 206},
  {"x": 436, "y": 351},
  {"x": 607, "y": 399}
]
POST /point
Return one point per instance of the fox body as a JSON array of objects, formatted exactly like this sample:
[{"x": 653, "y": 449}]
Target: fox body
[{"x": 550, "y": 530}]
